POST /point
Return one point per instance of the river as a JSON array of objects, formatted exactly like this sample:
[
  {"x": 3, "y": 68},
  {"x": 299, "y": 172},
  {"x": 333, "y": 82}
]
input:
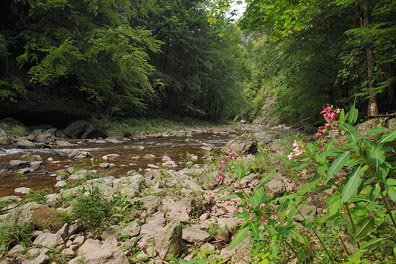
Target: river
[{"x": 131, "y": 157}]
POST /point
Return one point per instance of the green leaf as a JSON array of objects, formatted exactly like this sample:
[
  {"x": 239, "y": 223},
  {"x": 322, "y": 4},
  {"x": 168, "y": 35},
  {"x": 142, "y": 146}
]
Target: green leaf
[
  {"x": 352, "y": 115},
  {"x": 266, "y": 179},
  {"x": 377, "y": 156},
  {"x": 390, "y": 182},
  {"x": 239, "y": 237},
  {"x": 363, "y": 228},
  {"x": 372, "y": 243},
  {"x": 256, "y": 198},
  {"x": 255, "y": 231},
  {"x": 376, "y": 130},
  {"x": 353, "y": 183},
  {"x": 392, "y": 193},
  {"x": 388, "y": 137},
  {"x": 337, "y": 165},
  {"x": 229, "y": 188}
]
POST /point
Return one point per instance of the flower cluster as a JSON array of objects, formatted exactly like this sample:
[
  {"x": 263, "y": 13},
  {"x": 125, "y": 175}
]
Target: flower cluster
[
  {"x": 222, "y": 164},
  {"x": 330, "y": 114},
  {"x": 297, "y": 150}
]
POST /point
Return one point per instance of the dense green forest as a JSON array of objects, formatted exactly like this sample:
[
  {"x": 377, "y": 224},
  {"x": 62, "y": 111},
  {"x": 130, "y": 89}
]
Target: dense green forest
[
  {"x": 191, "y": 58},
  {"x": 122, "y": 58}
]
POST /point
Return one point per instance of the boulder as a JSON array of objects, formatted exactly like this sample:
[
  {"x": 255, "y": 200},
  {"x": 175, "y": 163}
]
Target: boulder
[
  {"x": 244, "y": 144},
  {"x": 46, "y": 218},
  {"x": 195, "y": 235},
  {"x": 170, "y": 241},
  {"x": 79, "y": 129},
  {"x": 98, "y": 252},
  {"x": 365, "y": 127},
  {"x": 4, "y": 139},
  {"x": 48, "y": 240},
  {"x": 45, "y": 136}
]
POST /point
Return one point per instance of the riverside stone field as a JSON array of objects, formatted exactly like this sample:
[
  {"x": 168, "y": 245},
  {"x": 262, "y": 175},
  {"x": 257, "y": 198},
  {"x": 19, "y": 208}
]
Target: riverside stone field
[{"x": 165, "y": 195}]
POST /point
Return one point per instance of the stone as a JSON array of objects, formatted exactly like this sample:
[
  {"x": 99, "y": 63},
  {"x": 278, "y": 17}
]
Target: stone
[
  {"x": 18, "y": 164},
  {"x": 80, "y": 154},
  {"x": 308, "y": 212},
  {"x": 106, "y": 165},
  {"x": 40, "y": 259},
  {"x": 131, "y": 229},
  {"x": 129, "y": 186},
  {"x": 60, "y": 184},
  {"x": 63, "y": 231},
  {"x": 152, "y": 166},
  {"x": 22, "y": 190},
  {"x": 365, "y": 127},
  {"x": 149, "y": 156},
  {"x": 79, "y": 240},
  {"x": 229, "y": 223},
  {"x": 106, "y": 252},
  {"x": 46, "y": 218},
  {"x": 16, "y": 251},
  {"x": 170, "y": 241},
  {"x": 178, "y": 210},
  {"x": 46, "y": 136},
  {"x": 110, "y": 157},
  {"x": 275, "y": 188},
  {"x": 149, "y": 203},
  {"x": 48, "y": 240},
  {"x": 24, "y": 143},
  {"x": 244, "y": 144},
  {"x": 195, "y": 235},
  {"x": 29, "y": 156},
  {"x": 79, "y": 129},
  {"x": 68, "y": 253}
]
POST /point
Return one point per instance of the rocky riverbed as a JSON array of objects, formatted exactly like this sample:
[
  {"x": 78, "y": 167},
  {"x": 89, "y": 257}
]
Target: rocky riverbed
[{"x": 164, "y": 209}]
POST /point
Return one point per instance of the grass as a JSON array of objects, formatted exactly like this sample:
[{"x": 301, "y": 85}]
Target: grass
[
  {"x": 13, "y": 129},
  {"x": 154, "y": 125}
]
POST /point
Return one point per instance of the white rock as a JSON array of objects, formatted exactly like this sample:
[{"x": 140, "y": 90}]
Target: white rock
[
  {"x": 22, "y": 190},
  {"x": 48, "y": 240}
]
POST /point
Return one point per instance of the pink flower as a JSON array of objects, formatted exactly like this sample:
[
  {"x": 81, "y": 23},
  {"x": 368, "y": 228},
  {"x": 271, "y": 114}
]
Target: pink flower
[
  {"x": 220, "y": 176},
  {"x": 326, "y": 110},
  {"x": 265, "y": 221},
  {"x": 335, "y": 127},
  {"x": 318, "y": 135},
  {"x": 327, "y": 125},
  {"x": 291, "y": 156}
]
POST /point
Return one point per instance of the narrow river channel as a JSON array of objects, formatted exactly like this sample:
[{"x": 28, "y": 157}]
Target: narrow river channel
[{"x": 131, "y": 157}]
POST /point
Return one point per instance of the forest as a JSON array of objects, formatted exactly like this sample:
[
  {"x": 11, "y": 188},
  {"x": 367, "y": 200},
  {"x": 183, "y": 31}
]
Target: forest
[
  {"x": 195, "y": 59},
  {"x": 263, "y": 189}
]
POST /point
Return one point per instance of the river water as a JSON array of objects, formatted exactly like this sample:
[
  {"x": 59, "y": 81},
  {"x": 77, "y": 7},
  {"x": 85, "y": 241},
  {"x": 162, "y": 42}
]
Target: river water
[{"x": 131, "y": 157}]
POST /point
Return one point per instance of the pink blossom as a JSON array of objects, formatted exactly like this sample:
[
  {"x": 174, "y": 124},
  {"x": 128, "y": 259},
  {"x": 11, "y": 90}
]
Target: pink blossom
[
  {"x": 265, "y": 221},
  {"x": 318, "y": 135},
  {"x": 220, "y": 176},
  {"x": 291, "y": 156},
  {"x": 326, "y": 110},
  {"x": 327, "y": 125},
  {"x": 335, "y": 127}
]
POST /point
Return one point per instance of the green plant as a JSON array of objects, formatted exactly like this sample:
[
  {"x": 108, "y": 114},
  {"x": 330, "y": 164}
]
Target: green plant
[
  {"x": 12, "y": 233},
  {"x": 91, "y": 208},
  {"x": 124, "y": 209},
  {"x": 357, "y": 175},
  {"x": 38, "y": 196},
  {"x": 205, "y": 256}
]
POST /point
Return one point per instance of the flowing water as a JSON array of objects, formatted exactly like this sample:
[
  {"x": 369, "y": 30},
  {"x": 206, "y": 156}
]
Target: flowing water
[{"x": 131, "y": 157}]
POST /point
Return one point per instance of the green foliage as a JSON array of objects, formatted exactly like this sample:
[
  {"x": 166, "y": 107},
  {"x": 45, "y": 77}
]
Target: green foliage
[
  {"x": 12, "y": 233},
  {"x": 357, "y": 174},
  {"x": 91, "y": 208},
  {"x": 38, "y": 196}
]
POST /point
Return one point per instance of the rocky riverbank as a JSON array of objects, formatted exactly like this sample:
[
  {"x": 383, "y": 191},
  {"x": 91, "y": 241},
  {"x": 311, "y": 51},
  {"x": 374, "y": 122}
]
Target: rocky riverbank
[{"x": 149, "y": 216}]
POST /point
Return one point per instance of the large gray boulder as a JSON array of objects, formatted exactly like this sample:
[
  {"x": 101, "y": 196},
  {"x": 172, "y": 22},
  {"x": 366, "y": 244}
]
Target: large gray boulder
[{"x": 79, "y": 129}]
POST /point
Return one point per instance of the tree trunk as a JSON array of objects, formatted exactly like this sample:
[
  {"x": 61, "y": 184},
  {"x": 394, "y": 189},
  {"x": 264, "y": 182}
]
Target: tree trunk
[{"x": 372, "y": 109}]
